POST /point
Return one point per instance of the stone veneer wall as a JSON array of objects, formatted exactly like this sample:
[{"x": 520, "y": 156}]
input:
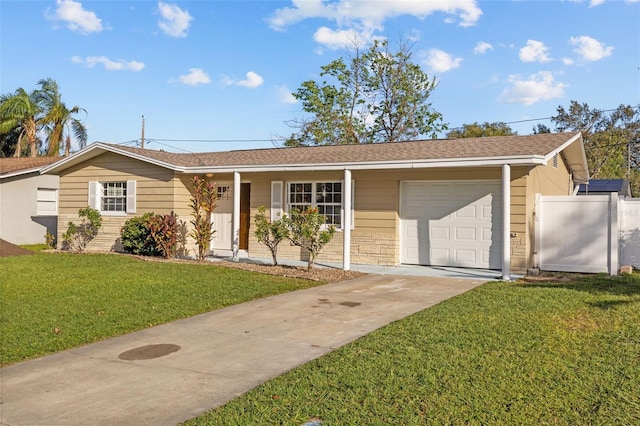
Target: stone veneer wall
[{"x": 366, "y": 248}]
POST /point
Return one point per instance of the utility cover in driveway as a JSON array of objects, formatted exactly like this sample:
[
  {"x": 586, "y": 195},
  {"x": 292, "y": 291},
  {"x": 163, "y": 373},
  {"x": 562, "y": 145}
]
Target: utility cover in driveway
[{"x": 451, "y": 223}]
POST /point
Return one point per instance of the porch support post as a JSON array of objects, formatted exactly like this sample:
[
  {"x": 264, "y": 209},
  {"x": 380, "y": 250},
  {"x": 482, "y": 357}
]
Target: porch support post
[
  {"x": 506, "y": 222},
  {"x": 236, "y": 215},
  {"x": 346, "y": 226}
]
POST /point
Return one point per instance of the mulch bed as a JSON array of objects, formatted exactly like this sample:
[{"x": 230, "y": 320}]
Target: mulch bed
[{"x": 8, "y": 249}]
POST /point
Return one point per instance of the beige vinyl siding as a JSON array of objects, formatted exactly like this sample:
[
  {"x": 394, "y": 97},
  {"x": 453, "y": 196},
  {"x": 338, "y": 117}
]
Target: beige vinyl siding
[
  {"x": 154, "y": 191},
  {"x": 519, "y": 218},
  {"x": 158, "y": 190}
]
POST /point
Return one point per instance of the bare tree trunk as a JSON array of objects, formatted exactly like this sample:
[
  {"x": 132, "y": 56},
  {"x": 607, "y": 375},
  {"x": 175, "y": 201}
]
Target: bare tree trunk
[{"x": 18, "y": 150}]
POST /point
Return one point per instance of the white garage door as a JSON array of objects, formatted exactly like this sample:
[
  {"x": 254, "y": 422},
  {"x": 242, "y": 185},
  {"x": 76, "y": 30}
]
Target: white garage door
[{"x": 451, "y": 223}]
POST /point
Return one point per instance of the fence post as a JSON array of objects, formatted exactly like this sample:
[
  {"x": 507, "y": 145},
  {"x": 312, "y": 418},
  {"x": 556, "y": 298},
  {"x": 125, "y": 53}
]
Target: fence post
[{"x": 614, "y": 245}]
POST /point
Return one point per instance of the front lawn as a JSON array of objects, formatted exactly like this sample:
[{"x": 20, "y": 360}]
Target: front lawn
[
  {"x": 55, "y": 301},
  {"x": 502, "y": 354}
]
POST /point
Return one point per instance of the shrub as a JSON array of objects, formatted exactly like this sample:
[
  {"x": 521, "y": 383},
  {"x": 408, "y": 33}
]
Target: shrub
[
  {"x": 270, "y": 232},
  {"x": 50, "y": 240},
  {"x": 305, "y": 231},
  {"x": 76, "y": 237},
  {"x": 202, "y": 204},
  {"x": 164, "y": 232},
  {"x": 136, "y": 236}
]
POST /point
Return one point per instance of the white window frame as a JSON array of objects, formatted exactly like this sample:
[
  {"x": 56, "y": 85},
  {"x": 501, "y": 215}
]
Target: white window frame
[
  {"x": 97, "y": 193},
  {"x": 224, "y": 192},
  {"x": 47, "y": 202},
  {"x": 314, "y": 203}
]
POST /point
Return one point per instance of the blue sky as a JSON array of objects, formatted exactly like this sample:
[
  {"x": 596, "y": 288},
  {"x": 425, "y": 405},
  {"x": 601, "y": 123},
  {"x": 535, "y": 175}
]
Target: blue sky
[{"x": 218, "y": 75}]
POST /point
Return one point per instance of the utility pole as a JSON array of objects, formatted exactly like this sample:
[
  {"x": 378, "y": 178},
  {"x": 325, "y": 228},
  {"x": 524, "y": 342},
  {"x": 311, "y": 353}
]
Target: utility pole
[{"x": 142, "y": 137}]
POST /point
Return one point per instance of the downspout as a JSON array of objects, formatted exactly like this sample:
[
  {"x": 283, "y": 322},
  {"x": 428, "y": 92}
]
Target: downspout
[
  {"x": 506, "y": 222},
  {"x": 236, "y": 215},
  {"x": 346, "y": 226}
]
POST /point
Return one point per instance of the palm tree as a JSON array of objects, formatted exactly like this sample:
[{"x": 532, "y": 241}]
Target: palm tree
[
  {"x": 59, "y": 118},
  {"x": 21, "y": 110}
]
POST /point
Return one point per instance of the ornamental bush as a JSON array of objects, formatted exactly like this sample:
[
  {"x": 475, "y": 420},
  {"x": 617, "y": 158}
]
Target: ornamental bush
[
  {"x": 164, "y": 232},
  {"x": 76, "y": 237},
  {"x": 136, "y": 236},
  {"x": 270, "y": 232},
  {"x": 306, "y": 230}
]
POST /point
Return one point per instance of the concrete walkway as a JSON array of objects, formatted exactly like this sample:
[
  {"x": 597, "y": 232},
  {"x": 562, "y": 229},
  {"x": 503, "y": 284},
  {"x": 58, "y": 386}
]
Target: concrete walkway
[{"x": 170, "y": 373}]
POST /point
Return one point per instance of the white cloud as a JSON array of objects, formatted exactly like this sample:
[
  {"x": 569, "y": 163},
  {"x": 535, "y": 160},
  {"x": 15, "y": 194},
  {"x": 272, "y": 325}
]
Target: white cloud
[
  {"x": 534, "y": 51},
  {"x": 174, "y": 21},
  {"x": 339, "y": 39},
  {"x": 567, "y": 61},
  {"x": 369, "y": 15},
  {"x": 195, "y": 77},
  {"x": 286, "y": 96},
  {"x": 538, "y": 87},
  {"x": 76, "y": 17},
  {"x": 251, "y": 81},
  {"x": 595, "y": 3},
  {"x": 482, "y": 47},
  {"x": 109, "y": 65},
  {"x": 589, "y": 49},
  {"x": 440, "y": 61}
]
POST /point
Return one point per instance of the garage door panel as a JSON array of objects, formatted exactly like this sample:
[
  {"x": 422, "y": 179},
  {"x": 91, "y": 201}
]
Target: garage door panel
[
  {"x": 452, "y": 223},
  {"x": 466, "y": 234},
  {"x": 464, "y": 256},
  {"x": 439, "y": 257},
  {"x": 466, "y": 212},
  {"x": 486, "y": 234},
  {"x": 440, "y": 232}
]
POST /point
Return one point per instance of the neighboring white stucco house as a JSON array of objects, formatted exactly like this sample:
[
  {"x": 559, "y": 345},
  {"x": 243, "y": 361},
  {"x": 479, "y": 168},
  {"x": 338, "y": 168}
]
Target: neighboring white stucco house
[{"x": 28, "y": 200}]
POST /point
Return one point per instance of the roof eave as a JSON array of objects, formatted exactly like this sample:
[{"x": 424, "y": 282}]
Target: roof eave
[
  {"x": 20, "y": 172},
  {"x": 96, "y": 149},
  {"x": 374, "y": 165},
  {"x": 576, "y": 157}
]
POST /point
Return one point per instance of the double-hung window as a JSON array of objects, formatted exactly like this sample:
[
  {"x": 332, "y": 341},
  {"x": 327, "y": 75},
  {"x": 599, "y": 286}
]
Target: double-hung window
[
  {"x": 325, "y": 196},
  {"x": 113, "y": 197}
]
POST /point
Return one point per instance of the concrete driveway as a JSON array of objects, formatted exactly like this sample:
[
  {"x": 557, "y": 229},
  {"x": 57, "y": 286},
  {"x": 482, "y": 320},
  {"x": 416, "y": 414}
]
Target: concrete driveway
[{"x": 170, "y": 373}]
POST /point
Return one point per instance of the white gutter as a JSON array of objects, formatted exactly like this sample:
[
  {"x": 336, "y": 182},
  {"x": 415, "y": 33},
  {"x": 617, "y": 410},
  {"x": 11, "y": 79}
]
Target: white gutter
[
  {"x": 20, "y": 172},
  {"x": 472, "y": 162}
]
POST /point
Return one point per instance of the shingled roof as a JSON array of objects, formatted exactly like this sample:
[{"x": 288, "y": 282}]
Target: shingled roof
[
  {"x": 435, "y": 149},
  {"x": 530, "y": 149},
  {"x": 23, "y": 165}
]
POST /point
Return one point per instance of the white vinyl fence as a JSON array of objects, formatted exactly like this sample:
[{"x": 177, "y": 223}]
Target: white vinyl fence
[
  {"x": 592, "y": 233},
  {"x": 629, "y": 223}
]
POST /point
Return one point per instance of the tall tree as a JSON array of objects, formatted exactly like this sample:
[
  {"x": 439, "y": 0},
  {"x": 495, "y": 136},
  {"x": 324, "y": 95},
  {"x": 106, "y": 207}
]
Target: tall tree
[
  {"x": 540, "y": 128},
  {"x": 59, "y": 120},
  {"x": 22, "y": 110},
  {"x": 611, "y": 139},
  {"x": 372, "y": 96},
  {"x": 475, "y": 130}
]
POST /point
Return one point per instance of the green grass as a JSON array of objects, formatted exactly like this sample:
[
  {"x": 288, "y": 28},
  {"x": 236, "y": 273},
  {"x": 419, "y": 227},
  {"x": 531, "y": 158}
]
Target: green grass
[
  {"x": 502, "y": 354},
  {"x": 36, "y": 247},
  {"x": 89, "y": 297}
]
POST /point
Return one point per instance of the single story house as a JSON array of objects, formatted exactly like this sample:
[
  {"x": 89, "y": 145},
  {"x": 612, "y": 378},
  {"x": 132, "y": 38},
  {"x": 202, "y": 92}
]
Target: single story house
[
  {"x": 605, "y": 186},
  {"x": 28, "y": 200},
  {"x": 453, "y": 202}
]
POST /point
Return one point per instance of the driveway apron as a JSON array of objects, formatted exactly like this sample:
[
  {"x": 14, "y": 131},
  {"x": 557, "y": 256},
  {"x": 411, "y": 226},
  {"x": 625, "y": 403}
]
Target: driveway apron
[{"x": 170, "y": 373}]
